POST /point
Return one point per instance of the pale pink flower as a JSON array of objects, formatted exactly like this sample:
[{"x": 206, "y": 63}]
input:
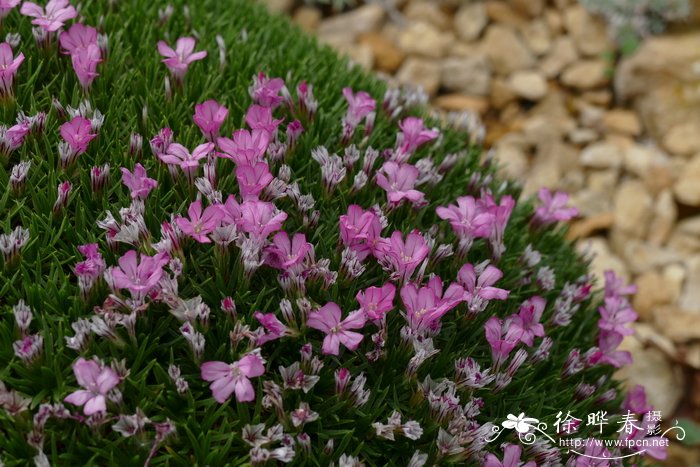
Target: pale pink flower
[
  {"x": 260, "y": 218},
  {"x": 274, "y": 328},
  {"x": 246, "y": 148},
  {"x": 97, "y": 380},
  {"x": 252, "y": 180},
  {"x": 608, "y": 342},
  {"x": 376, "y": 302},
  {"x": 502, "y": 338},
  {"x": 616, "y": 314},
  {"x": 139, "y": 277},
  {"x": 209, "y": 116},
  {"x": 228, "y": 378},
  {"x": 265, "y": 91},
  {"x": 286, "y": 252},
  {"x": 259, "y": 117},
  {"x": 94, "y": 265},
  {"x": 6, "y": 6},
  {"x": 53, "y": 18},
  {"x": 78, "y": 36},
  {"x": 425, "y": 306},
  {"x": 501, "y": 215},
  {"x": 528, "y": 319},
  {"x": 553, "y": 208},
  {"x": 179, "y": 60},
  {"x": 636, "y": 400},
  {"x": 360, "y": 106},
  {"x": 327, "y": 320},
  {"x": 84, "y": 61},
  {"x": 402, "y": 257},
  {"x": 78, "y": 134},
  {"x": 467, "y": 218},
  {"x": 399, "y": 180},
  {"x": 511, "y": 458},
  {"x": 360, "y": 230},
  {"x": 200, "y": 224},
  {"x": 413, "y": 135},
  {"x": 478, "y": 290},
  {"x": 138, "y": 182},
  {"x": 179, "y": 155},
  {"x": 8, "y": 67}
]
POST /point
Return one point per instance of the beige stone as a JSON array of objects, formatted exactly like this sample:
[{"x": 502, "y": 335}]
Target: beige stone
[
  {"x": 633, "y": 206},
  {"x": 308, "y": 18},
  {"x": 501, "y": 93},
  {"x": 602, "y": 156},
  {"x": 426, "y": 10},
  {"x": 470, "y": 20},
  {"x": 664, "y": 218},
  {"x": 468, "y": 75},
  {"x": 690, "y": 298},
  {"x": 591, "y": 203},
  {"x": 422, "y": 38},
  {"x": 422, "y": 72},
  {"x": 651, "y": 293},
  {"x": 561, "y": 54},
  {"x": 586, "y": 74},
  {"x": 462, "y": 102},
  {"x": 583, "y": 135},
  {"x": 683, "y": 139},
  {"x": 687, "y": 187},
  {"x": 528, "y": 84},
  {"x": 353, "y": 23},
  {"x": 512, "y": 161},
  {"x": 502, "y": 13},
  {"x": 506, "y": 50},
  {"x": 387, "y": 56},
  {"x": 531, "y": 8},
  {"x": 676, "y": 324},
  {"x": 589, "y": 33},
  {"x": 536, "y": 34},
  {"x": 642, "y": 256},
  {"x": 603, "y": 258},
  {"x": 590, "y": 225},
  {"x": 622, "y": 121}
]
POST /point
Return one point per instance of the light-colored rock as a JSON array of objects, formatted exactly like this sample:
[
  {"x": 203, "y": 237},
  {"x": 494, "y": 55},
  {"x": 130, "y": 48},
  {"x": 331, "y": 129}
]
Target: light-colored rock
[
  {"x": 687, "y": 187},
  {"x": 604, "y": 181},
  {"x": 536, "y": 34},
  {"x": 683, "y": 139},
  {"x": 503, "y": 13},
  {"x": 506, "y": 50},
  {"x": 308, "y": 18},
  {"x": 531, "y": 8},
  {"x": 633, "y": 207},
  {"x": 583, "y": 135},
  {"x": 426, "y": 10},
  {"x": 470, "y": 20},
  {"x": 387, "y": 57},
  {"x": 622, "y": 121},
  {"x": 501, "y": 93},
  {"x": 642, "y": 256},
  {"x": 422, "y": 72},
  {"x": 603, "y": 258},
  {"x": 468, "y": 75},
  {"x": 690, "y": 298},
  {"x": 652, "y": 369},
  {"x": 651, "y": 293},
  {"x": 664, "y": 218},
  {"x": 591, "y": 203},
  {"x": 676, "y": 324},
  {"x": 586, "y": 74},
  {"x": 601, "y": 156},
  {"x": 554, "y": 21},
  {"x": 422, "y": 38},
  {"x": 462, "y": 102},
  {"x": 674, "y": 278},
  {"x": 639, "y": 158},
  {"x": 589, "y": 33},
  {"x": 528, "y": 84},
  {"x": 361, "y": 20},
  {"x": 602, "y": 97},
  {"x": 360, "y": 54},
  {"x": 586, "y": 227},
  {"x": 561, "y": 54},
  {"x": 512, "y": 161}
]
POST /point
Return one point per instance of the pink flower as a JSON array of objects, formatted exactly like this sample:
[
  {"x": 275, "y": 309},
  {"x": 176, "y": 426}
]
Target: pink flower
[
  {"x": 502, "y": 338},
  {"x": 377, "y": 301},
  {"x": 615, "y": 315},
  {"x": 85, "y": 64},
  {"x": 511, "y": 458},
  {"x": 360, "y": 230},
  {"x": 94, "y": 265},
  {"x": 608, "y": 342},
  {"x": 53, "y": 18},
  {"x": 161, "y": 142},
  {"x": 467, "y": 218},
  {"x": 327, "y": 319},
  {"x": 260, "y": 218},
  {"x": 413, "y": 135},
  {"x": 97, "y": 380},
  {"x": 360, "y": 106},
  {"x": 179, "y": 60},
  {"x": 594, "y": 455},
  {"x": 285, "y": 253},
  {"x": 199, "y": 225},
  {"x": 260, "y": 118},
  {"x": 6, "y": 6},
  {"x": 138, "y": 182},
  {"x": 78, "y": 36},
  {"x": 252, "y": 180},
  {"x": 139, "y": 278},
  {"x": 234, "y": 377},
  {"x": 656, "y": 446},
  {"x": 78, "y": 134},
  {"x": 636, "y": 400},
  {"x": 246, "y": 148},
  {"x": 479, "y": 291},
  {"x": 553, "y": 208},
  {"x": 528, "y": 319},
  {"x": 426, "y": 305},
  {"x": 274, "y": 328},
  {"x": 402, "y": 257},
  {"x": 615, "y": 285},
  {"x": 209, "y": 116},
  {"x": 501, "y": 215},
  {"x": 265, "y": 91},
  {"x": 8, "y": 67},
  {"x": 178, "y": 155},
  {"x": 399, "y": 180}
]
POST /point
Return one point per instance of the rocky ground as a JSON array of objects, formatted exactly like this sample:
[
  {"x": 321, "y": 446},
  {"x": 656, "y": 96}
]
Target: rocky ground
[{"x": 561, "y": 109}]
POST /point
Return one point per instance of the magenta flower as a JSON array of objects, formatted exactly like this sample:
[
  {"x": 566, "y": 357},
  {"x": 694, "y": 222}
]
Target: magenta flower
[
  {"x": 360, "y": 230},
  {"x": 260, "y": 118},
  {"x": 399, "y": 180},
  {"x": 94, "y": 265},
  {"x": 502, "y": 338},
  {"x": 209, "y": 116},
  {"x": 327, "y": 319},
  {"x": 97, "y": 380},
  {"x": 246, "y": 148},
  {"x": 528, "y": 319},
  {"x": 636, "y": 400},
  {"x": 179, "y": 155},
  {"x": 376, "y": 302},
  {"x": 260, "y": 218},
  {"x": 360, "y": 106},
  {"x": 274, "y": 328},
  {"x": 234, "y": 377},
  {"x": 501, "y": 215},
  {"x": 479, "y": 291},
  {"x": 265, "y": 91},
  {"x": 138, "y": 182},
  {"x": 615, "y": 315},
  {"x": 53, "y": 18},
  {"x": 78, "y": 36},
  {"x": 85, "y": 62},
  {"x": 402, "y": 257},
  {"x": 468, "y": 220},
  {"x": 6, "y": 6},
  {"x": 608, "y": 342},
  {"x": 8, "y": 68},
  {"x": 200, "y": 224},
  {"x": 138, "y": 277},
  {"x": 553, "y": 208},
  {"x": 615, "y": 285},
  {"x": 413, "y": 135},
  {"x": 511, "y": 458},
  {"x": 78, "y": 134},
  {"x": 285, "y": 253},
  {"x": 252, "y": 180},
  {"x": 425, "y": 306},
  {"x": 179, "y": 60}
]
